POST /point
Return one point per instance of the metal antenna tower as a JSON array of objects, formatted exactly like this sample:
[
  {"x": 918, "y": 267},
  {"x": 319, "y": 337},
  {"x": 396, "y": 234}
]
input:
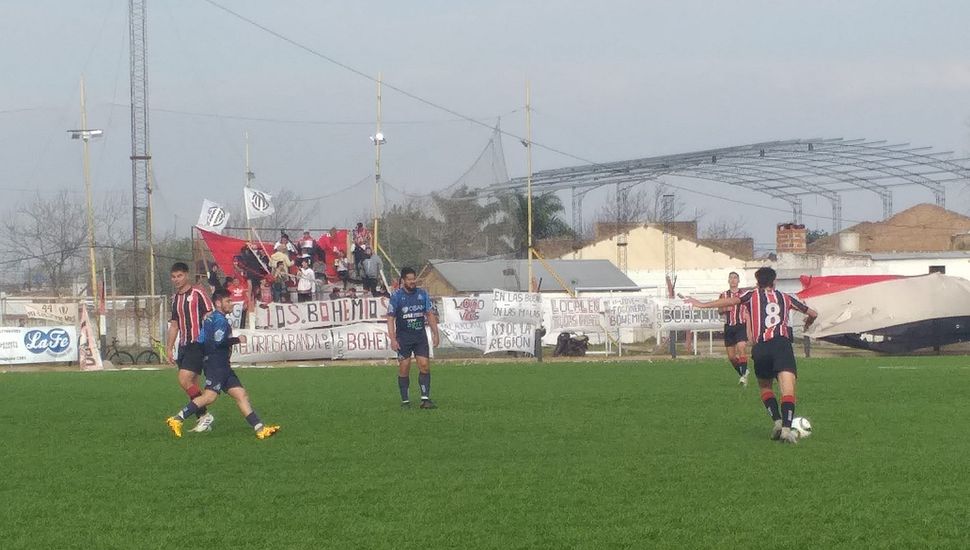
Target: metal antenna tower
[{"x": 143, "y": 256}]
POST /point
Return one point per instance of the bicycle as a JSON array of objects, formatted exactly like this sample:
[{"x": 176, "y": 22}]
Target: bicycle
[
  {"x": 155, "y": 356},
  {"x": 116, "y": 356}
]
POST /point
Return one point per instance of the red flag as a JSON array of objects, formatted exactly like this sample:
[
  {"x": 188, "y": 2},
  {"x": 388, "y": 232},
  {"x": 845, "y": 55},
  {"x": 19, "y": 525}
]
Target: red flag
[{"x": 102, "y": 306}]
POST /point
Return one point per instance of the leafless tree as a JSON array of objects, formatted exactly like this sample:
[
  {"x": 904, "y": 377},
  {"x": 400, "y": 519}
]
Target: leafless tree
[
  {"x": 724, "y": 228},
  {"x": 640, "y": 204},
  {"x": 48, "y": 232}
]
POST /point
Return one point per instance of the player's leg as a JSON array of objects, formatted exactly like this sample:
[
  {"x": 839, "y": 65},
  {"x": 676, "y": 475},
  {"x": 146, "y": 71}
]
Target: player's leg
[
  {"x": 786, "y": 384},
  {"x": 404, "y": 373},
  {"x": 241, "y": 396},
  {"x": 764, "y": 371},
  {"x": 190, "y": 368},
  {"x": 741, "y": 357},
  {"x": 192, "y": 407},
  {"x": 424, "y": 381}
]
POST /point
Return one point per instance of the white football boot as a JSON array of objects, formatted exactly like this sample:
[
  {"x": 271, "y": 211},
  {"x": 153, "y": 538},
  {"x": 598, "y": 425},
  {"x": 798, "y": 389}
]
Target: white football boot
[{"x": 204, "y": 424}]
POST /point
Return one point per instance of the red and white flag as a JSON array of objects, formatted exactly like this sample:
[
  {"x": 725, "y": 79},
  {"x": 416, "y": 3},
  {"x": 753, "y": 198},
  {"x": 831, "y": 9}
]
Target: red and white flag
[{"x": 89, "y": 356}]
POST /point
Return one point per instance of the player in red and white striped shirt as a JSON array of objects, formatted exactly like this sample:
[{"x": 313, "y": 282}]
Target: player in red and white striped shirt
[
  {"x": 735, "y": 329},
  {"x": 190, "y": 306},
  {"x": 769, "y": 311}
]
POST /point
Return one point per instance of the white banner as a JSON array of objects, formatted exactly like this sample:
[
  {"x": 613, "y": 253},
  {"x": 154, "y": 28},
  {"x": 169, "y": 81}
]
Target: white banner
[
  {"x": 573, "y": 314},
  {"x": 283, "y": 345},
  {"x": 502, "y": 336},
  {"x": 259, "y": 204},
  {"x": 61, "y": 313},
  {"x": 466, "y": 309},
  {"x": 522, "y": 307},
  {"x": 20, "y": 346},
  {"x": 631, "y": 312},
  {"x": 325, "y": 313},
  {"x": 675, "y": 314},
  {"x": 213, "y": 217},
  {"x": 89, "y": 356},
  {"x": 464, "y": 335},
  {"x": 362, "y": 341}
]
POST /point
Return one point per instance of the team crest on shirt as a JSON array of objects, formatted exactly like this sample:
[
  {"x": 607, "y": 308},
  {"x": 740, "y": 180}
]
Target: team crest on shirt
[{"x": 219, "y": 334}]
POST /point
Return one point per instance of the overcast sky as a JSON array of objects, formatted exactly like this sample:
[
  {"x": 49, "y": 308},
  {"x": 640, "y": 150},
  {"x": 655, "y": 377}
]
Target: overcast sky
[{"x": 611, "y": 80}]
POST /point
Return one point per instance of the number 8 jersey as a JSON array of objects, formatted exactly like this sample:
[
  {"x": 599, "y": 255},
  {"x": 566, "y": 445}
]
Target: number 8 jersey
[{"x": 769, "y": 311}]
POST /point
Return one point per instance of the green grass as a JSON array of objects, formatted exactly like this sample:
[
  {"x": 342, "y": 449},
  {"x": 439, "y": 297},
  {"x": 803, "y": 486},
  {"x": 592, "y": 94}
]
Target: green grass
[{"x": 625, "y": 455}]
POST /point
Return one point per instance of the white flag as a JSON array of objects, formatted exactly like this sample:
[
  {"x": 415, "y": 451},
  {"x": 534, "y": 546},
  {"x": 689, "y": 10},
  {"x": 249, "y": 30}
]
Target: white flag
[
  {"x": 89, "y": 356},
  {"x": 258, "y": 203},
  {"x": 213, "y": 217}
]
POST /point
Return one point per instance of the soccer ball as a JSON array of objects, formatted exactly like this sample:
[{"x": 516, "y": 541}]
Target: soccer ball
[{"x": 802, "y": 426}]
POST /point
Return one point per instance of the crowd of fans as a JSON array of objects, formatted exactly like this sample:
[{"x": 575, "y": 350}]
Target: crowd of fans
[{"x": 298, "y": 272}]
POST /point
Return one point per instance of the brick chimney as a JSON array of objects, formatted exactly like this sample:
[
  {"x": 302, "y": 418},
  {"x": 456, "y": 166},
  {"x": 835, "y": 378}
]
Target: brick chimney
[{"x": 790, "y": 238}]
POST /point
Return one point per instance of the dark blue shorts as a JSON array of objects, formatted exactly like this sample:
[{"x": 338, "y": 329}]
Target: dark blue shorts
[
  {"x": 221, "y": 379},
  {"x": 416, "y": 344},
  {"x": 190, "y": 357}
]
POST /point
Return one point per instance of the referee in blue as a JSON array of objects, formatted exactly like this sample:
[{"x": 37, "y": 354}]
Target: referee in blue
[{"x": 408, "y": 310}]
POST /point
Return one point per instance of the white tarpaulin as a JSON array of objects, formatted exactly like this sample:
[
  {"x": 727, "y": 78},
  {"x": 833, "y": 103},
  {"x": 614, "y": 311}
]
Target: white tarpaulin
[
  {"x": 464, "y": 335},
  {"x": 889, "y": 303},
  {"x": 522, "y": 307},
  {"x": 503, "y": 336},
  {"x": 325, "y": 313},
  {"x": 466, "y": 309},
  {"x": 21, "y": 346}
]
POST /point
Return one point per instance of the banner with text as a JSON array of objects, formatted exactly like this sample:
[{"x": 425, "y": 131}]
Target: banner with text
[
  {"x": 521, "y": 307},
  {"x": 504, "y": 336},
  {"x": 89, "y": 356},
  {"x": 21, "y": 346},
  {"x": 325, "y": 313},
  {"x": 466, "y": 309},
  {"x": 60, "y": 313},
  {"x": 464, "y": 335},
  {"x": 362, "y": 341},
  {"x": 674, "y": 314},
  {"x": 631, "y": 312},
  {"x": 283, "y": 345},
  {"x": 573, "y": 315}
]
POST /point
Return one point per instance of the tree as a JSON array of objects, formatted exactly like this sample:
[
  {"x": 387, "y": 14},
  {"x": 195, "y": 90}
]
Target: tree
[
  {"x": 50, "y": 233},
  {"x": 813, "y": 235},
  {"x": 469, "y": 228},
  {"x": 723, "y": 228},
  {"x": 546, "y": 221},
  {"x": 640, "y": 204}
]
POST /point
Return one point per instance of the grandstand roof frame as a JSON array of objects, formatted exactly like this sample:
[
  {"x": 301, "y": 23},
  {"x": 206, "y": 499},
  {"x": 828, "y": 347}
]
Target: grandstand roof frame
[{"x": 786, "y": 170}]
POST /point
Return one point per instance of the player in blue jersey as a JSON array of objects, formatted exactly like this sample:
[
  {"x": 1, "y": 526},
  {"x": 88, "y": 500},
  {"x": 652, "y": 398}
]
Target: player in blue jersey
[
  {"x": 217, "y": 340},
  {"x": 408, "y": 311}
]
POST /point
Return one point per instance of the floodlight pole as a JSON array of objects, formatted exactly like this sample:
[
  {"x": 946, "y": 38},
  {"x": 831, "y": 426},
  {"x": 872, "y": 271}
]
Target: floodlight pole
[
  {"x": 84, "y": 134},
  {"x": 528, "y": 151},
  {"x": 378, "y": 140}
]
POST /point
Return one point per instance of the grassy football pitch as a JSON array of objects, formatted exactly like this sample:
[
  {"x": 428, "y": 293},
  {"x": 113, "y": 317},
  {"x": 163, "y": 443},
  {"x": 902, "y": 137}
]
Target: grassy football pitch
[{"x": 577, "y": 455}]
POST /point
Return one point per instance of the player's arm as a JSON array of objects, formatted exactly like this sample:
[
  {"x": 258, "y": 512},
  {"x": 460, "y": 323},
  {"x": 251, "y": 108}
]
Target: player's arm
[
  {"x": 810, "y": 314},
  {"x": 720, "y": 302},
  {"x": 392, "y": 323},
  {"x": 173, "y": 330}
]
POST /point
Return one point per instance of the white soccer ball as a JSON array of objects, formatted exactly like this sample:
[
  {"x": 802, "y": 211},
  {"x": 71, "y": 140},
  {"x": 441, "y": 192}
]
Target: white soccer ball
[{"x": 802, "y": 426}]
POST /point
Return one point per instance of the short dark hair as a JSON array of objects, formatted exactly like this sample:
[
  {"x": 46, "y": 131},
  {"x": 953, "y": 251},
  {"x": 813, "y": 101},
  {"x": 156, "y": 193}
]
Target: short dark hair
[
  {"x": 765, "y": 277},
  {"x": 180, "y": 266},
  {"x": 220, "y": 294},
  {"x": 408, "y": 271},
  {"x": 735, "y": 273}
]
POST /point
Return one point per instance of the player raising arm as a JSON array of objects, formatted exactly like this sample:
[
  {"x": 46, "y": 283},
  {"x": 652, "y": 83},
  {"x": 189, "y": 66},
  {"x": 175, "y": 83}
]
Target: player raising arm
[
  {"x": 774, "y": 359},
  {"x": 217, "y": 341}
]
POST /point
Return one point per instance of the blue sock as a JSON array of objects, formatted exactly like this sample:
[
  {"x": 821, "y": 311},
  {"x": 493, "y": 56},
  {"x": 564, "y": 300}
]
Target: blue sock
[
  {"x": 188, "y": 411},
  {"x": 253, "y": 420},
  {"x": 424, "y": 380},
  {"x": 404, "y": 383}
]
